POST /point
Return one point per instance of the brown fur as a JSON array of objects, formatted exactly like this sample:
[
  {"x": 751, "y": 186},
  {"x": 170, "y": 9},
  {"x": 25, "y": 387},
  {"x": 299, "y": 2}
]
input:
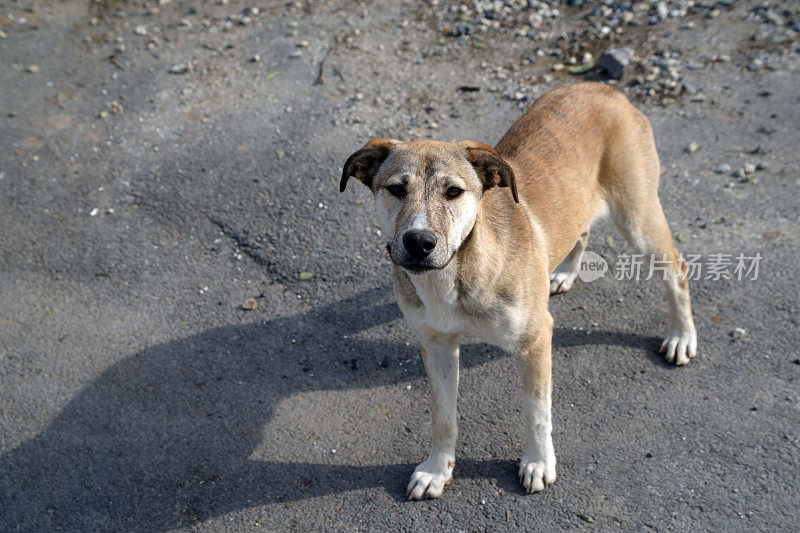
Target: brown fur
[{"x": 579, "y": 151}]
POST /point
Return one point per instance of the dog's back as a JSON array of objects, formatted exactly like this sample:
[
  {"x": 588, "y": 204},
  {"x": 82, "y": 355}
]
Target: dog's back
[{"x": 573, "y": 151}]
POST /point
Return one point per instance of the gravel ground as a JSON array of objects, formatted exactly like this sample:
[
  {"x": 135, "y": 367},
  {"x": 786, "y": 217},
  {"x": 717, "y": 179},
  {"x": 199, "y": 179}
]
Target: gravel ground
[{"x": 197, "y": 330}]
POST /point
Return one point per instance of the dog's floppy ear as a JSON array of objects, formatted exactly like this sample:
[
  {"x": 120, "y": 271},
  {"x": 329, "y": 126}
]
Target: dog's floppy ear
[
  {"x": 490, "y": 166},
  {"x": 366, "y": 162}
]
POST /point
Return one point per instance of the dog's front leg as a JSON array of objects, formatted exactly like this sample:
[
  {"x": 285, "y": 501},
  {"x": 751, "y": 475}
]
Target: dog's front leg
[
  {"x": 538, "y": 465},
  {"x": 440, "y": 355}
]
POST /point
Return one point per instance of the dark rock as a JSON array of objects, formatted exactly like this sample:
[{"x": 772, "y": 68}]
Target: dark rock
[
  {"x": 614, "y": 61},
  {"x": 460, "y": 29}
]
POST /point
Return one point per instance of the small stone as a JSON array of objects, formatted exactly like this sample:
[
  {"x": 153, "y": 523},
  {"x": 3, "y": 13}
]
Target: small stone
[
  {"x": 180, "y": 68},
  {"x": 693, "y": 147},
  {"x": 763, "y": 165},
  {"x": 249, "y": 304},
  {"x": 459, "y": 29},
  {"x": 738, "y": 333},
  {"x": 723, "y": 169},
  {"x": 586, "y": 58},
  {"x": 140, "y": 30},
  {"x": 740, "y": 173},
  {"x": 255, "y": 59},
  {"x": 557, "y": 67},
  {"x": 33, "y": 69},
  {"x": 614, "y": 61},
  {"x": 662, "y": 11},
  {"x": 749, "y": 168},
  {"x": 296, "y": 54}
]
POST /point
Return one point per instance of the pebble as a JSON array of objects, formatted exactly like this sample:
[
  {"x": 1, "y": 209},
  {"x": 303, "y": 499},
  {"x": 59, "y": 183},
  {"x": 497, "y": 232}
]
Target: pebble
[
  {"x": 180, "y": 68},
  {"x": 738, "y": 333},
  {"x": 33, "y": 69},
  {"x": 614, "y": 61},
  {"x": 693, "y": 147},
  {"x": 749, "y": 168},
  {"x": 723, "y": 169},
  {"x": 249, "y": 304},
  {"x": 140, "y": 30},
  {"x": 662, "y": 11}
]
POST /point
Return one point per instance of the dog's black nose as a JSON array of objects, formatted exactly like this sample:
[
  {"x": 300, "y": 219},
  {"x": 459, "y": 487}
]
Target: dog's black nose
[{"x": 419, "y": 243}]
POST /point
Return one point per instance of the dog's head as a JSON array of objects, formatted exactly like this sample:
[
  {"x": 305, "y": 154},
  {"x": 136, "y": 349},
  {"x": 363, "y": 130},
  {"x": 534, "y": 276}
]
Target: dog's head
[{"x": 427, "y": 194}]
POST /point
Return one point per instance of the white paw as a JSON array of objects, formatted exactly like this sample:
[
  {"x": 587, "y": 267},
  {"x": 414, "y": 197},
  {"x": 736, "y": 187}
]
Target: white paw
[
  {"x": 536, "y": 474},
  {"x": 679, "y": 347},
  {"x": 562, "y": 281},
  {"x": 429, "y": 479}
]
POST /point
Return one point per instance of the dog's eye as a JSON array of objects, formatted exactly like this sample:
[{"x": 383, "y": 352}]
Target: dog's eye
[
  {"x": 453, "y": 193},
  {"x": 396, "y": 190}
]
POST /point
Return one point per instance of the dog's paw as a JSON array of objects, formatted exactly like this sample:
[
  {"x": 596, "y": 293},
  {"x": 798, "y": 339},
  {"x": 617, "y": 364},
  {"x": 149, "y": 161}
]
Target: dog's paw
[
  {"x": 562, "y": 281},
  {"x": 679, "y": 347},
  {"x": 536, "y": 474},
  {"x": 429, "y": 480}
]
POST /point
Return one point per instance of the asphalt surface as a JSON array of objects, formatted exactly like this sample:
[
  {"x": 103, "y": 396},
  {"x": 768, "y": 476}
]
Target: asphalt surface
[{"x": 139, "y": 209}]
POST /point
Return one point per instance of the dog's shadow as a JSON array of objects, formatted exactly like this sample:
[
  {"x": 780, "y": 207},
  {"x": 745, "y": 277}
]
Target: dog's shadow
[{"x": 162, "y": 438}]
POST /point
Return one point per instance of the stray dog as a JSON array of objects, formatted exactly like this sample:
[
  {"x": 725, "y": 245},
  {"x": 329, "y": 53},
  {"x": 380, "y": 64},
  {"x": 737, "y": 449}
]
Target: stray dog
[{"x": 481, "y": 237}]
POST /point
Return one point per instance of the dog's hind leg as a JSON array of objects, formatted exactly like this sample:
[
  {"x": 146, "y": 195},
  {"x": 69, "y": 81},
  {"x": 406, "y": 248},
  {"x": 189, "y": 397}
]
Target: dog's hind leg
[
  {"x": 440, "y": 355},
  {"x": 649, "y": 234},
  {"x": 632, "y": 182},
  {"x": 566, "y": 273}
]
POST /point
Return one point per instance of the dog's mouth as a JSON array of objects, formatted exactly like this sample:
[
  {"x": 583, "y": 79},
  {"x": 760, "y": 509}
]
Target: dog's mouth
[
  {"x": 418, "y": 269},
  {"x": 414, "y": 268}
]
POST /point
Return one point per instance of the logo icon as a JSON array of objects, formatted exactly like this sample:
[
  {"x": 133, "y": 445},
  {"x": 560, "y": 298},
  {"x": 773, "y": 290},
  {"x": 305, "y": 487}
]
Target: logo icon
[{"x": 593, "y": 267}]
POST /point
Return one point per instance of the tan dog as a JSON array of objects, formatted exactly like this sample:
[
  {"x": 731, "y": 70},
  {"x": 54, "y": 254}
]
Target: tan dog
[{"x": 471, "y": 258}]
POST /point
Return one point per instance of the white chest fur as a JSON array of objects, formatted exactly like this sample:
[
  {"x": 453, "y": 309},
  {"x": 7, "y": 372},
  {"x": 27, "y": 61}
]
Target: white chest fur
[
  {"x": 442, "y": 312},
  {"x": 440, "y": 308}
]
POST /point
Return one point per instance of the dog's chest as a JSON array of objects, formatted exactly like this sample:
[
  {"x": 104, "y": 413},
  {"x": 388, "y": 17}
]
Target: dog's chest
[
  {"x": 440, "y": 309},
  {"x": 445, "y": 310}
]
